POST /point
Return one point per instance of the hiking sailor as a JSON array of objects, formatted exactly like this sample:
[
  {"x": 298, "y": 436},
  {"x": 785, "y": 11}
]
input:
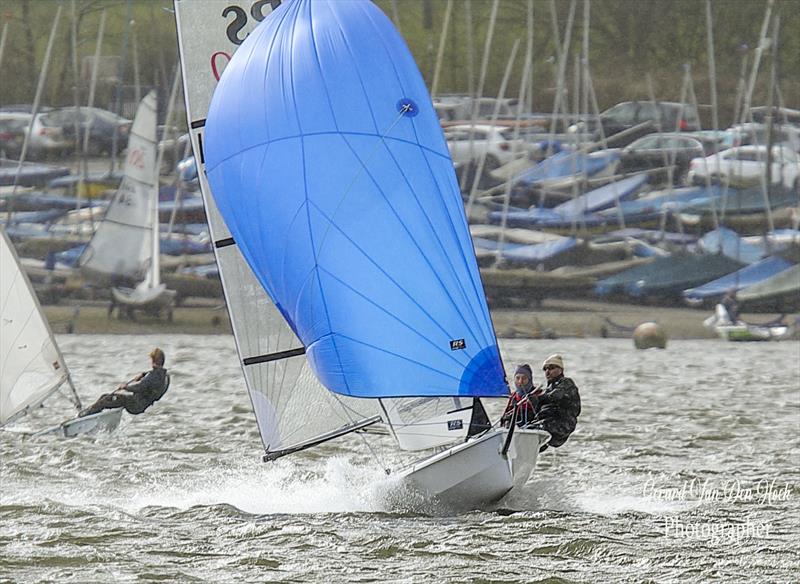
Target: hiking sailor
[
  {"x": 558, "y": 405},
  {"x": 138, "y": 394}
]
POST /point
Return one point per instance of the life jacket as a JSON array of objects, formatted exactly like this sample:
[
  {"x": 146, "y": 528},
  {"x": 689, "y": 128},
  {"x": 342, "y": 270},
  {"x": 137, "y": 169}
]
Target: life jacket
[{"x": 146, "y": 399}]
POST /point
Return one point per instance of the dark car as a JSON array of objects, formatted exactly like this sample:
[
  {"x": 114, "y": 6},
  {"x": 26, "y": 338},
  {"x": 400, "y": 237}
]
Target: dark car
[
  {"x": 645, "y": 116},
  {"x": 658, "y": 152},
  {"x": 101, "y": 124}
]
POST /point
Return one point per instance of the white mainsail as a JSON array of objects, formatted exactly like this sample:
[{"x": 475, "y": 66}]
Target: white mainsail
[
  {"x": 125, "y": 244},
  {"x": 31, "y": 365},
  {"x": 292, "y": 408}
]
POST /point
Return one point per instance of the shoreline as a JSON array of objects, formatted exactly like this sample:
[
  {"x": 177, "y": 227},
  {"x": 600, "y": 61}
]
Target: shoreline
[{"x": 554, "y": 319}]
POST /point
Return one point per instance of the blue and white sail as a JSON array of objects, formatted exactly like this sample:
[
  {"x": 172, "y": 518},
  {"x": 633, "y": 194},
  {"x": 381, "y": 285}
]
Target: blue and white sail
[{"x": 329, "y": 167}]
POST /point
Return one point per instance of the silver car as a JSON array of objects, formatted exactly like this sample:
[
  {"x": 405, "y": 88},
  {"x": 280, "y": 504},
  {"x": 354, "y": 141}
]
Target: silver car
[{"x": 45, "y": 139}]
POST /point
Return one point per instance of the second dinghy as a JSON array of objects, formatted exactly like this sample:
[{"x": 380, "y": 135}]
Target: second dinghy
[
  {"x": 32, "y": 368},
  {"x": 126, "y": 244}
]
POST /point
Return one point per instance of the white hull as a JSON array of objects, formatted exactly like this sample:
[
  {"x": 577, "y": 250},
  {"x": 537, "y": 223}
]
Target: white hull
[
  {"x": 476, "y": 472},
  {"x": 104, "y": 421},
  {"x": 721, "y": 324},
  {"x": 156, "y": 297},
  {"x": 751, "y": 332},
  {"x": 565, "y": 183}
]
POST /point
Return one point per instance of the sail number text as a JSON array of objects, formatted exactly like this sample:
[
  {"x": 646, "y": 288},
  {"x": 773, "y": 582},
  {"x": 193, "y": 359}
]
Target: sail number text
[
  {"x": 236, "y": 19},
  {"x": 239, "y": 21}
]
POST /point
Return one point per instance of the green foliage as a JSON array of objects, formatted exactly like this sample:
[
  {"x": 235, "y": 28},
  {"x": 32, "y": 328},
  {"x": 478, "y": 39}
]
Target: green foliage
[{"x": 628, "y": 40}]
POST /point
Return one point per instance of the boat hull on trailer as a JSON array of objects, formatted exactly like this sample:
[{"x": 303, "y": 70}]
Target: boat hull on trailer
[
  {"x": 157, "y": 297},
  {"x": 104, "y": 421},
  {"x": 740, "y": 331},
  {"x": 752, "y": 332},
  {"x": 476, "y": 472}
]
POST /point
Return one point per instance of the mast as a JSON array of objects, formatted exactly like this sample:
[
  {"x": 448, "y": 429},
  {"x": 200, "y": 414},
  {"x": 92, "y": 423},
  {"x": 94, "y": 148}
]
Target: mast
[
  {"x": 470, "y": 48},
  {"x": 123, "y": 62},
  {"x": 34, "y": 110},
  {"x": 586, "y": 23},
  {"x": 770, "y": 123},
  {"x": 440, "y": 53},
  {"x": 527, "y": 71},
  {"x": 529, "y": 27},
  {"x": 563, "y": 52},
  {"x": 762, "y": 44},
  {"x": 501, "y": 94},
  {"x": 3, "y": 37},
  {"x": 712, "y": 78},
  {"x": 155, "y": 268},
  {"x": 479, "y": 92}
]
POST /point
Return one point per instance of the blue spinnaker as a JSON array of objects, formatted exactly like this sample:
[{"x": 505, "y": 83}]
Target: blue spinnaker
[{"x": 328, "y": 164}]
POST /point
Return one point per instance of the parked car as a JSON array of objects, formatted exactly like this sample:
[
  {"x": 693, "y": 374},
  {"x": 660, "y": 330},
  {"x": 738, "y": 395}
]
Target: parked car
[
  {"x": 781, "y": 115},
  {"x": 46, "y": 139},
  {"x": 663, "y": 150},
  {"x": 450, "y": 108},
  {"x": 23, "y": 108},
  {"x": 12, "y": 134},
  {"x": 758, "y": 135},
  {"x": 101, "y": 125},
  {"x": 745, "y": 165},
  {"x": 173, "y": 149},
  {"x": 458, "y": 109},
  {"x": 497, "y": 142},
  {"x": 664, "y": 116}
]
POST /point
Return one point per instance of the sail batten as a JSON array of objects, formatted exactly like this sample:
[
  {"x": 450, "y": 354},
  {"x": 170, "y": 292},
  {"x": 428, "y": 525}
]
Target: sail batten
[{"x": 274, "y": 356}]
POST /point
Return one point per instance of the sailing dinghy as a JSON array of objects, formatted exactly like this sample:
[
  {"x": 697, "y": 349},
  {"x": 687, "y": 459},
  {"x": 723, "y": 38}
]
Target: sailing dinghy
[
  {"x": 721, "y": 323},
  {"x": 125, "y": 246},
  {"x": 344, "y": 253},
  {"x": 32, "y": 368}
]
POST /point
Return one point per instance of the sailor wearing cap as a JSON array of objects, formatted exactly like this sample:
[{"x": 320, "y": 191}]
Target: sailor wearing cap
[{"x": 559, "y": 405}]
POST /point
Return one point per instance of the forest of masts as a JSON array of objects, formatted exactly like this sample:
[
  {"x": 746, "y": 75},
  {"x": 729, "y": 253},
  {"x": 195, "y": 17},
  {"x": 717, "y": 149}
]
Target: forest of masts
[{"x": 573, "y": 57}]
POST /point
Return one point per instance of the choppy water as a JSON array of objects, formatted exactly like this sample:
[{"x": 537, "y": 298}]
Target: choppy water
[{"x": 686, "y": 467}]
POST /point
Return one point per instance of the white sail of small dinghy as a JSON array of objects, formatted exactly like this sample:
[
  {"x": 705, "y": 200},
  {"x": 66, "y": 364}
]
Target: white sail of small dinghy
[
  {"x": 125, "y": 246},
  {"x": 293, "y": 410},
  {"x": 32, "y": 367},
  {"x": 720, "y": 322},
  {"x": 345, "y": 207}
]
